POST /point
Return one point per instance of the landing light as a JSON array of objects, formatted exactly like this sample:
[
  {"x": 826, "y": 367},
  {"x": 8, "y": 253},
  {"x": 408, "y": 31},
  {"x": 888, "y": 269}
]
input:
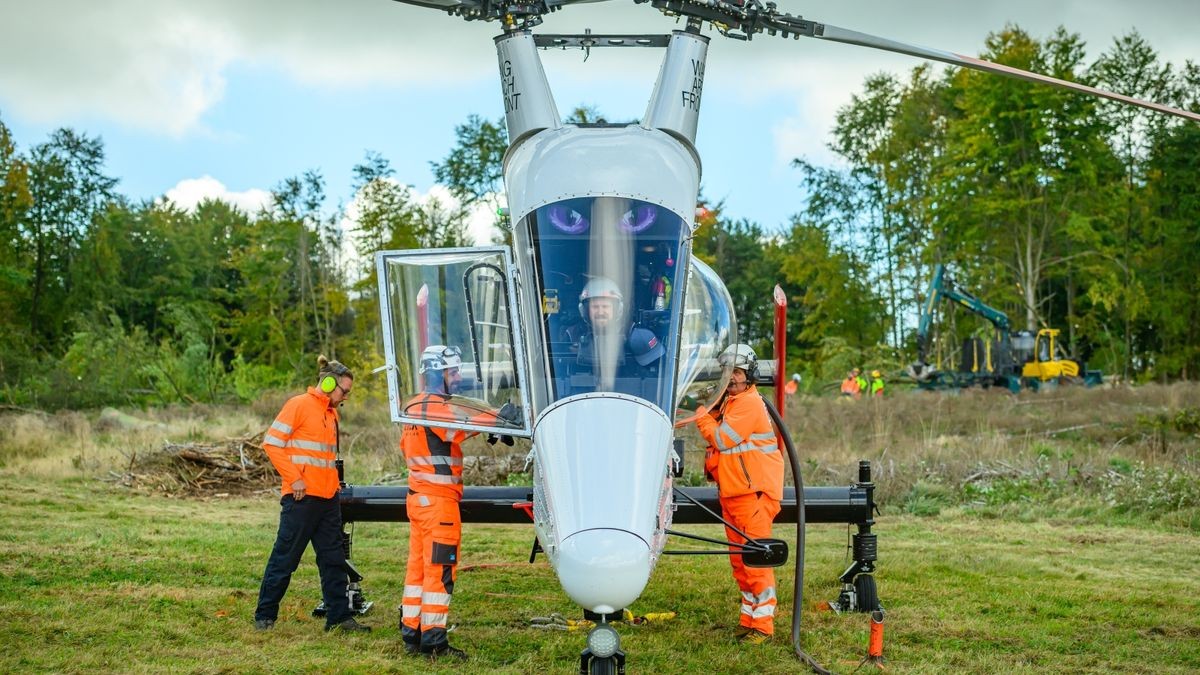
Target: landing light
[{"x": 603, "y": 641}]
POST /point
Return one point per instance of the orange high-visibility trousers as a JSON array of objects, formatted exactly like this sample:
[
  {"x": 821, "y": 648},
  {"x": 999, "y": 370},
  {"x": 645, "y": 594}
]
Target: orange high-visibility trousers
[
  {"x": 753, "y": 514},
  {"x": 435, "y": 532}
]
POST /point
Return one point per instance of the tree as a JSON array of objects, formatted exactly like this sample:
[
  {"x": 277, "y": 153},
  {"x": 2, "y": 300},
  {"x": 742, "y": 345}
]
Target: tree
[
  {"x": 15, "y": 203},
  {"x": 1131, "y": 67},
  {"x": 474, "y": 169},
  {"x": 69, "y": 188}
]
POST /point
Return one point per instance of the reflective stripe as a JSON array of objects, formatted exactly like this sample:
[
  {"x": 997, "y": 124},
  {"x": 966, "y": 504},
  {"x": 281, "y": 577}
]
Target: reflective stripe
[
  {"x": 749, "y": 447},
  {"x": 410, "y": 611},
  {"x": 430, "y": 461},
  {"x": 310, "y": 445},
  {"x": 765, "y": 610},
  {"x": 412, "y": 591},
  {"x": 280, "y": 426},
  {"x": 436, "y": 478},
  {"x": 747, "y": 611},
  {"x": 762, "y": 437},
  {"x": 435, "y": 598},
  {"x": 312, "y": 461},
  {"x": 274, "y": 440},
  {"x": 431, "y": 619},
  {"x": 423, "y": 500},
  {"x": 747, "y": 597},
  {"x": 766, "y": 595},
  {"x": 733, "y": 435}
]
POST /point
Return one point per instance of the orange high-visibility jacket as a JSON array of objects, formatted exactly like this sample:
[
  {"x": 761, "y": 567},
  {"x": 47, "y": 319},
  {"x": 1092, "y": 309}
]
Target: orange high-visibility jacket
[
  {"x": 434, "y": 455},
  {"x": 850, "y": 386},
  {"x": 748, "y": 457},
  {"x": 302, "y": 443}
]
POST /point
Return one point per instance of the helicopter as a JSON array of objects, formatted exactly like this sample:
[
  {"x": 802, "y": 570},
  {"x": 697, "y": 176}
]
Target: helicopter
[{"x": 614, "y": 205}]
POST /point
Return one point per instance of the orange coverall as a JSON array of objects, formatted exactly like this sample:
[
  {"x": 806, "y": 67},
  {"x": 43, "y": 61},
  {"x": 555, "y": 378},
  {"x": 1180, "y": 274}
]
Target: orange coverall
[
  {"x": 435, "y": 487},
  {"x": 744, "y": 458}
]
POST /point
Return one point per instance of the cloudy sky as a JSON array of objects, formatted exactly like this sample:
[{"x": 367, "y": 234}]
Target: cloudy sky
[{"x": 226, "y": 97}]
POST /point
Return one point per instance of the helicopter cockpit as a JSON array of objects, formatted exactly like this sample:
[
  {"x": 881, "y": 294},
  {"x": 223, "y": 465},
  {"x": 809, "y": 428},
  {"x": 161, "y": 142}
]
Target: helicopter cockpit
[
  {"x": 606, "y": 272},
  {"x": 606, "y": 312}
]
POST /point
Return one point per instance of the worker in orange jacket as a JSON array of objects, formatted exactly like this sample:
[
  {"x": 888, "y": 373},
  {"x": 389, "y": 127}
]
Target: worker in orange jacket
[
  {"x": 302, "y": 443},
  {"x": 851, "y": 387},
  {"x": 744, "y": 458},
  {"x": 435, "y": 462}
]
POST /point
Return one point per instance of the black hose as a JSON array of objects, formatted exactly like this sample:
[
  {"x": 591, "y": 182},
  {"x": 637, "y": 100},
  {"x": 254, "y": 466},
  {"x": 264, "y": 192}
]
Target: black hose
[{"x": 798, "y": 594}]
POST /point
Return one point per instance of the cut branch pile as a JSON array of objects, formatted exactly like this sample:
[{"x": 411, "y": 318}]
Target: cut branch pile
[{"x": 234, "y": 466}]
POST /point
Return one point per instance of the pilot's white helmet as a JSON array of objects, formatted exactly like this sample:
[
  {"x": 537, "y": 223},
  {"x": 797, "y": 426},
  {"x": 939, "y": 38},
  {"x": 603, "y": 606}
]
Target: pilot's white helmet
[{"x": 601, "y": 287}]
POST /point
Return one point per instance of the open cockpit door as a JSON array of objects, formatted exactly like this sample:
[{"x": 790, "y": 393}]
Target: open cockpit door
[{"x": 452, "y": 340}]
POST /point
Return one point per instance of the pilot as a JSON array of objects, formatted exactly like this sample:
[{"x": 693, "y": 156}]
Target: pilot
[
  {"x": 435, "y": 486},
  {"x": 744, "y": 458},
  {"x": 602, "y": 307},
  {"x": 302, "y": 444}
]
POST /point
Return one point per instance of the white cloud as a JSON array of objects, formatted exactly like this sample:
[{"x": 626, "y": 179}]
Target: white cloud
[
  {"x": 161, "y": 65},
  {"x": 188, "y": 193}
]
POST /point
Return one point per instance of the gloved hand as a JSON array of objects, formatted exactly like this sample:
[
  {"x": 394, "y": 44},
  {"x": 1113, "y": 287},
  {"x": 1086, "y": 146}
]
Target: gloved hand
[
  {"x": 503, "y": 438},
  {"x": 511, "y": 413}
]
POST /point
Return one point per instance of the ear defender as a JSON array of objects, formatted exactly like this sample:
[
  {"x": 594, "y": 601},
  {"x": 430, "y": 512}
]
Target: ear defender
[{"x": 328, "y": 384}]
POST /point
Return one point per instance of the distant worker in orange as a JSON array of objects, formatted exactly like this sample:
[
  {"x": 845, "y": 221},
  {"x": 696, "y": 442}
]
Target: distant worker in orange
[
  {"x": 302, "y": 443},
  {"x": 876, "y": 383},
  {"x": 792, "y": 385},
  {"x": 435, "y": 486},
  {"x": 745, "y": 460},
  {"x": 851, "y": 388}
]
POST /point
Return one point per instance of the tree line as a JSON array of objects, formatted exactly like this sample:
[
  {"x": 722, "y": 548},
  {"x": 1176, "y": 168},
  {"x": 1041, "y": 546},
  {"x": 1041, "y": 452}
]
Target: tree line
[{"x": 1062, "y": 210}]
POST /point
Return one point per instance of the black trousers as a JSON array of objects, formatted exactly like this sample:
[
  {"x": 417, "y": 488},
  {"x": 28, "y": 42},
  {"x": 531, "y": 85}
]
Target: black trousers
[{"x": 319, "y": 521}]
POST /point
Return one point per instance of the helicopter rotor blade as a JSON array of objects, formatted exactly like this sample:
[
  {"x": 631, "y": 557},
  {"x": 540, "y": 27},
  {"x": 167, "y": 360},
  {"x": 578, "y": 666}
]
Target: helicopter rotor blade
[{"x": 835, "y": 34}]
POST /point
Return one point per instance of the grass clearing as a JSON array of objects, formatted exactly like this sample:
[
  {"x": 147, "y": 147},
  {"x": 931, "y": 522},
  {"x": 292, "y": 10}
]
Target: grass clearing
[
  {"x": 1053, "y": 532},
  {"x": 96, "y": 578}
]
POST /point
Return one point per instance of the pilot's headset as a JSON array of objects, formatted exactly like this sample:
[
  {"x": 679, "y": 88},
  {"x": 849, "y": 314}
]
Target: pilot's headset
[
  {"x": 438, "y": 358},
  {"x": 601, "y": 287},
  {"x": 741, "y": 356}
]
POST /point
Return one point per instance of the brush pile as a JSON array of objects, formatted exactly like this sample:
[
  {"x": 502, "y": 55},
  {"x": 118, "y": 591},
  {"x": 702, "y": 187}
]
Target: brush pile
[{"x": 217, "y": 469}]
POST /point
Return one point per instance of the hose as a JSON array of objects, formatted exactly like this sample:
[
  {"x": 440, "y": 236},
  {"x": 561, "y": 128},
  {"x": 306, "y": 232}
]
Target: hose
[{"x": 798, "y": 593}]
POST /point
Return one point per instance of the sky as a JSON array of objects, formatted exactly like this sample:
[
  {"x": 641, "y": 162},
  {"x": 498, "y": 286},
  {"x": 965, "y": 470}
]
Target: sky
[{"x": 228, "y": 98}]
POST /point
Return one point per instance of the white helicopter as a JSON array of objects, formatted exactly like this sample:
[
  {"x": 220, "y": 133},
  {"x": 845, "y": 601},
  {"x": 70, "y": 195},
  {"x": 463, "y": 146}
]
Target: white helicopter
[{"x": 607, "y": 209}]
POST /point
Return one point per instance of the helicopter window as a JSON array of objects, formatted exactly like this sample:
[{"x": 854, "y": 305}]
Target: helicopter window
[
  {"x": 451, "y": 340},
  {"x": 606, "y": 267}
]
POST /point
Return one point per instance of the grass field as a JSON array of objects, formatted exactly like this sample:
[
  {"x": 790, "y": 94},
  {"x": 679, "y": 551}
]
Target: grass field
[{"x": 1006, "y": 545}]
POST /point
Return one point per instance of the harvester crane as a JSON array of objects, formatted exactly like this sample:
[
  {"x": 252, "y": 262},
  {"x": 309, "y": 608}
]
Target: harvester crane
[{"x": 1011, "y": 360}]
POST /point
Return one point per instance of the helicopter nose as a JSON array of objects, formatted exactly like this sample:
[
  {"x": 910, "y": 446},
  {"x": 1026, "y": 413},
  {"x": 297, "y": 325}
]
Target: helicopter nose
[{"x": 604, "y": 570}]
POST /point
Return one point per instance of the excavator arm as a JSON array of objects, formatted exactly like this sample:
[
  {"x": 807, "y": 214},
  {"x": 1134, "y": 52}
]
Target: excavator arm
[{"x": 942, "y": 288}]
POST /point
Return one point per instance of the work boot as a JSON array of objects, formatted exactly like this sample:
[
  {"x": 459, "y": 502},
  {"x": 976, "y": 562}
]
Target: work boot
[
  {"x": 741, "y": 632},
  {"x": 412, "y": 648},
  {"x": 264, "y": 624},
  {"x": 754, "y": 637},
  {"x": 445, "y": 652},
  {"x": 349, "y": 626}
]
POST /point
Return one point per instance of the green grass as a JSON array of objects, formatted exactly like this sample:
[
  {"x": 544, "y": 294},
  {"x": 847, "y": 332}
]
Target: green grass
[{"x": 94, "y": 578}]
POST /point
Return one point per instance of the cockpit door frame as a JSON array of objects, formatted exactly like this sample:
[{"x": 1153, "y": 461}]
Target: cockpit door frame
[{"x": 520, "y": 364}]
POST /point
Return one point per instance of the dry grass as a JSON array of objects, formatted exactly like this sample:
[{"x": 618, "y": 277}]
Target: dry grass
[
  {"x": 913, "y": 434},
  {"x": 911, "y": 437}
]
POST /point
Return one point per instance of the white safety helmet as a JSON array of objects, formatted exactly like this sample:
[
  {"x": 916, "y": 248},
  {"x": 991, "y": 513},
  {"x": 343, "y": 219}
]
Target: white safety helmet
[
  {"x": 601, "y": 287},
  {"x": 440, "y": 357},
  {"x": 740, "y": 356}
]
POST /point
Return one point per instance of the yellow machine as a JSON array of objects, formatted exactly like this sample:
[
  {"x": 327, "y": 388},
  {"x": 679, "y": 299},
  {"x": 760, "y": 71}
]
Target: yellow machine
[{"x": 1045, "y": 364}]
